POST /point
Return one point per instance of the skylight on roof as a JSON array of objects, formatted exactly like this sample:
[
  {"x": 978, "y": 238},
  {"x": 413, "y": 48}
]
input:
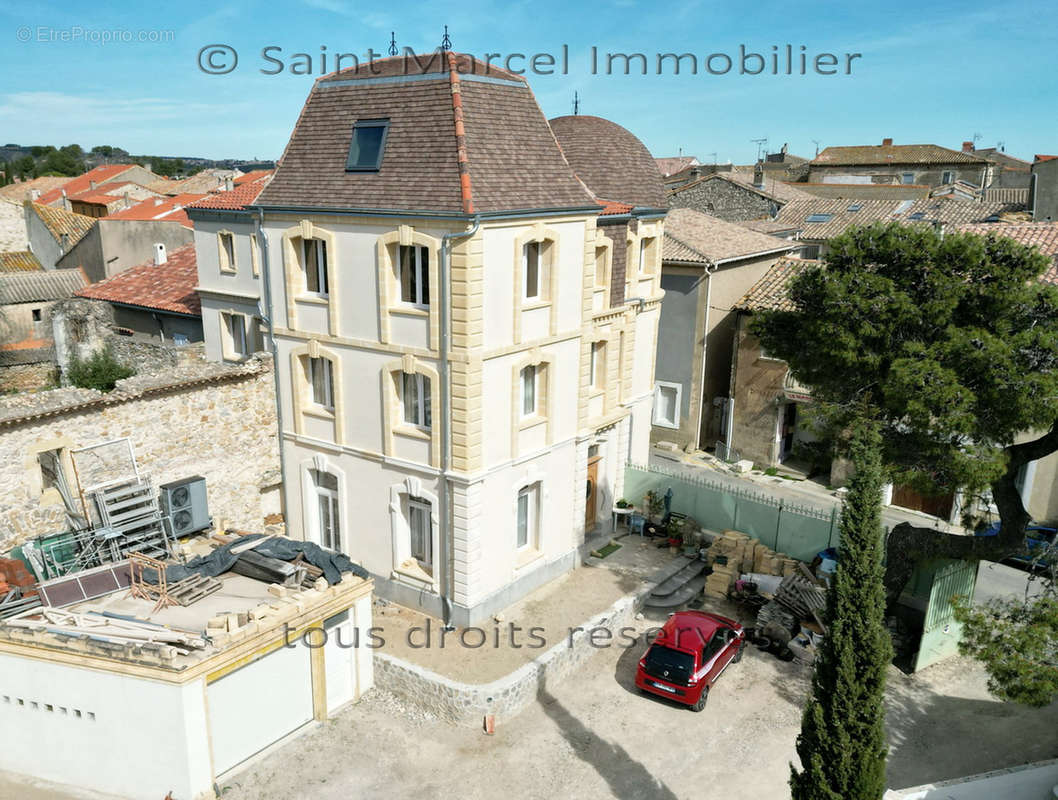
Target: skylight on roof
[
  {"x": 855, "y": 207},
  {"x": 819, "y": 218},
  {"x": 904, "y": 206},
  {"x": 918, "y": 215},
  {"x": 367, "y": 145}
]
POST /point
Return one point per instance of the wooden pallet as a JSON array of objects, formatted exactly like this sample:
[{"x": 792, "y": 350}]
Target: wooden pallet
[{"x": 193, "y": 588}]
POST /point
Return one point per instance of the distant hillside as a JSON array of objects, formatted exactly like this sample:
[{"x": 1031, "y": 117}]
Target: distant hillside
[{"x": 31, "y": 161}]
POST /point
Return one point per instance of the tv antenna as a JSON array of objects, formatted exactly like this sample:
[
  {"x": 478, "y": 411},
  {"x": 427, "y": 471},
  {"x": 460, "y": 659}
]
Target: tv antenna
[
  {"x": 816, "y": 143},
  {"x": 392, "y": 43},
  {"x": 576, "y": 104},
  {"x": 762, "y": 146},
  {"x": 714, "y": 158}
]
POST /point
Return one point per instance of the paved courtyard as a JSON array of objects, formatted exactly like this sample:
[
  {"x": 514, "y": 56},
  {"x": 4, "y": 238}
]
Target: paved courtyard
[{"x": 595, "y": 736}]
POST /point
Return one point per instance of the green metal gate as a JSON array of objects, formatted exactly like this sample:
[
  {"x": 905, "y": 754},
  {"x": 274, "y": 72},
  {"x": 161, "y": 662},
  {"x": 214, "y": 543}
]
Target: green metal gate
[{"x": 941, "y": 632}]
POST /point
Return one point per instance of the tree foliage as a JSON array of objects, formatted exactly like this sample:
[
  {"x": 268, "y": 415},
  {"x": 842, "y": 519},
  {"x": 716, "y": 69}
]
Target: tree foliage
[
  {"x": 842, "y": 742},
  {"x": 101, "y": 371},
  {"x": 952, "y": 341},
  {"x": 1017, "y": 640}
]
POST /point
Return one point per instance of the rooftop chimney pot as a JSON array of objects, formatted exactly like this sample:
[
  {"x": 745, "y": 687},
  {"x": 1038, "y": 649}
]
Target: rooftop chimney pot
[
  {"x": 887, "y": 142},
  {"x": 967, "y": 147},
  {"x": 159, "y": 254}
]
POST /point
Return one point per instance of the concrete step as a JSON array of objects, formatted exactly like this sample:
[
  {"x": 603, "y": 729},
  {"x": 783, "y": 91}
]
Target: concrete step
[
  {"x": 679, "y": 579},
  {"x": 683, "y": 595}
]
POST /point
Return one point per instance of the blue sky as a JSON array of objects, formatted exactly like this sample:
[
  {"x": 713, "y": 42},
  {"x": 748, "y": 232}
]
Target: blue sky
[{"x": 929, "y": 72}]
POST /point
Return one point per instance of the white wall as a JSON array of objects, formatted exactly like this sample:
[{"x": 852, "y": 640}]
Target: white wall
[{"x": 135, "y": 738}]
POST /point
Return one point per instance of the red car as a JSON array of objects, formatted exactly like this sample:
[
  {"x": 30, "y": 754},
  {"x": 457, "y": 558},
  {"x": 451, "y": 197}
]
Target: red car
[{"x": 691, "y": 652}]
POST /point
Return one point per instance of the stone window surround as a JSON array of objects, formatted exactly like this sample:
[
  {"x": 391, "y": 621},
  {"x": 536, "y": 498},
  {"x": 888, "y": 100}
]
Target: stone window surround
[
  {"x": 645, "y": 231},
  {"x": 655, "y": 420},
  {"x": 407, "y": 569},
  {"x": 389, "y": 302},
  {"x": 602, "y": 366},
  {"x": 603, "y": 242},
  {"x": 294, "y": 274},
  {"x": 321, "y": 463},
  {"x": 300, "y": 394},
  {"x": 227, "y": 345},
  {"x": 227, "y": 266},
  {"x": 393, "y": 413},
  {"x": 544, "y": 397},
  {"x": 255, "y": 255},
  {"x": 533, "y": 551},
  {"x": 549, "y": 280}
]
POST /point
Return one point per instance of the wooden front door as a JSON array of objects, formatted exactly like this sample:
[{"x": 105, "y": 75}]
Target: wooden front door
[{"x": 591, "y": 499}]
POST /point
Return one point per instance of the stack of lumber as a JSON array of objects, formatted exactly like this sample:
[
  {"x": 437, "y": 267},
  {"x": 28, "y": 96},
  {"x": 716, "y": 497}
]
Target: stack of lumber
[
  {"x": 107, "y": 627},
  {"x": 775, "y": 619},
  {"x": 15, "y": 602},
  {"x": 797, "y": 599},
  {"x": 193, "y": 588},
  {"x": 270, "y": 570}
]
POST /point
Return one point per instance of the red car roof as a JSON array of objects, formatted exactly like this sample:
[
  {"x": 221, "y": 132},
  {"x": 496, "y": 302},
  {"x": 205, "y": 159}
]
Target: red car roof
[{"x": 690, "y": 630}]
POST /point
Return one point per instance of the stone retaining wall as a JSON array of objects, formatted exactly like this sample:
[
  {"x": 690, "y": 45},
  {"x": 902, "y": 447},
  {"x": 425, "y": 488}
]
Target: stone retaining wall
[{"x": 466, "y": 704}]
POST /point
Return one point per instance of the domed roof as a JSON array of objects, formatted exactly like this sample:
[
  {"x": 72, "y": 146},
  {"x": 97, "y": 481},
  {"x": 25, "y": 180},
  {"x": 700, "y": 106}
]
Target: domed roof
[{"x": 611, "y": 161}]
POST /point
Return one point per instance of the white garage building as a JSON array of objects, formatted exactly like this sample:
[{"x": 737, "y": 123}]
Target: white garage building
[{"x": 140, "y": 722}]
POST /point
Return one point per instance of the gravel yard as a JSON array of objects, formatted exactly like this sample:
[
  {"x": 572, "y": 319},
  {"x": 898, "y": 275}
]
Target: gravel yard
[{"x": 595, "y": 736}]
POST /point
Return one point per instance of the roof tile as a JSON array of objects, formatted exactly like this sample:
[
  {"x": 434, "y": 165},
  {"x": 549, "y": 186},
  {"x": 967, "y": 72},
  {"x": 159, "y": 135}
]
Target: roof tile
[{"x": 168, "y": 287}]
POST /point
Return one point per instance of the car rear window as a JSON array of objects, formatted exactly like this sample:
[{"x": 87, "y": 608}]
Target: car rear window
[{"x": 661, "y": 659}]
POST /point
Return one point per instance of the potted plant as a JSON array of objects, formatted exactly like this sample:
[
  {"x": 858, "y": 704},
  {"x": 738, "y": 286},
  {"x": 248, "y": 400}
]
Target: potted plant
[
  {"x": 654, "y": 503},
  {"x": 675, "y": 531}
]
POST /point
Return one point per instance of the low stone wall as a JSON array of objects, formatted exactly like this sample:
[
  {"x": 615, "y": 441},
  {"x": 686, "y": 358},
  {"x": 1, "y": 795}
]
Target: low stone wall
[
  {"x": 466, "y": 704},
  {"x": 207, "y": 419}
]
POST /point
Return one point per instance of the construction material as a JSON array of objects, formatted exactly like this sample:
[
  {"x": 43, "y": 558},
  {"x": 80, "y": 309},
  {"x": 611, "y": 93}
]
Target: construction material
[
  {"x": 801, "y": 596},
  {"x": 265, "y": 568},
  {"x": 107, "y": 627},
  {"x": 193, "y": 588},
  {"x": 139, "y": 567},
  {"x": 14, "y": 602},
  {"x": 85, "y": 585}
]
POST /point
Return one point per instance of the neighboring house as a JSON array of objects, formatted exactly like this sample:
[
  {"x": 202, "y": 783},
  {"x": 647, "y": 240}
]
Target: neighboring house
[
  {"x": 26, "y": 300},
  {"x": 229, "y": 272},
  {"x": 19, "y": 261},
  {"x": 127, "y": 238},
  {"x": 736, "y": 196},
  {"x": 865, "y": 191},
  {"x": 109, "y": 198},
  {"x": 1043, "y": 189},
  {"x": 819, "y": 220},
  {"x": 12, "y": 226},
  {"x": 928, "y": 164},
  {"x": 53, "y": 232},
  {"x": 95, "y": 178},
  {"x": 21, "y": 191},
  {"x": 672, "y": 165},
  {"x": 463, "y": 360},
  {"x": 1011, "y": 172},
  {"x": 155, "y": 300},
  {"x": 707, "y": 266}
]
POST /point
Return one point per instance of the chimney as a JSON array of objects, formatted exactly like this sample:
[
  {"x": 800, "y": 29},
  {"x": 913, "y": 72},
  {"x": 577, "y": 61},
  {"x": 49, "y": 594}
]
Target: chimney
[
  {"x": 967, "y": 147},
  {"x": 34, "y": 195},
  {"x": 128, "y": 203},
  {"x": 159, "y": 254},
  {"x": 92, "y": 184},
  {"x": 887, "y": 142},
  {"x": 785, "y": 149},
  {"x": 64, "y": 242},
  {"x": 758, "y": 174},
  {"x": 229, "y": 184}
]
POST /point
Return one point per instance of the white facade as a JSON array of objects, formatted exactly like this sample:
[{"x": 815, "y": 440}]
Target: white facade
[
  {"x": 357, "y": 448},
  {"x": 229, "y": 284}
]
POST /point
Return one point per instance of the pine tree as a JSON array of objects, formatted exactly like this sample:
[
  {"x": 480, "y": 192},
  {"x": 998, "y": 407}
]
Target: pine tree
[{"x": 842, "y": 742}]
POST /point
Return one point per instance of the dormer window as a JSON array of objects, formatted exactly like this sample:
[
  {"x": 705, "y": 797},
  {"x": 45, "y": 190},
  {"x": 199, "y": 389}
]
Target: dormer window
[{"x": 367, "y": 145}]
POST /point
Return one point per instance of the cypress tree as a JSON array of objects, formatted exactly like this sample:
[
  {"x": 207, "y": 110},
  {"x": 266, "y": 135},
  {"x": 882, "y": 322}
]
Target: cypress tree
[{"x": 842, "y": 742}]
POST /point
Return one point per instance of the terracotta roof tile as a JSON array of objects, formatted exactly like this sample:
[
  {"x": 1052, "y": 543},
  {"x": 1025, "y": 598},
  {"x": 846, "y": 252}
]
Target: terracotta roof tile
[
  {"x": 893, "y": 154},
  {"x": 253, "y": 175},
  {"x": 169, "y": 287},
  {"x": 17, "y": 192},
  {"x": 19, "y": 261},
  {"x": 168, "y": 209},
  {"x": 771, "y": 292},
  {"x": 611, "y": 161},
  {"x": 610, "y": 208},
  {"x": 693, "y": 236},
  {"x": 1041, "y": 235},
  {"x": 82, "y": 183},
  {"x": 234, "y": 200},
  {"x": 59, "y": 221},
  {"x": 673, "y": 164}
]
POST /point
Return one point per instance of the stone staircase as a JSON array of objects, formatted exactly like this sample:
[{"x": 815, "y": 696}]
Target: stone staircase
[{"x": 678, "y": 583}]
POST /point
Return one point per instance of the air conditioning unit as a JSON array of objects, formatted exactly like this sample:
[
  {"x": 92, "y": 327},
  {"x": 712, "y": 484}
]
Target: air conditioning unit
[{"x": 184, "y": 505}]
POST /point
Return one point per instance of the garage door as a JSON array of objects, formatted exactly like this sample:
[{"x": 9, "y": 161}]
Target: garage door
[
  {"x": 254, "y": 706},
  {"x": 338, "y": 656}
]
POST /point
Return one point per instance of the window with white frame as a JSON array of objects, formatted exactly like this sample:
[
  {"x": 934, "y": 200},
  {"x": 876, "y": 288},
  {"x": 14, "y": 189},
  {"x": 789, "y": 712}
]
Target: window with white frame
[
  {"x": 314, "y": 262},
  {"x": 907, "y": 177},
  {"x": 530, "y": 380},
  {"x": 667, "y": 404},
  {"x": 328, "y": 516},
  {"x": 255, "y": 255},
  {"x": 420, "y": 528},
  {"x": 646, "y": 255},
  {"x": 598, "y": 365},
  {"x": 415, "y": 399},
  {"x": 237, "y": 342},
  {"x": 532, "y": 271},
  {"x": 414, "y": 268},
  {"x": 321, "y": 382},
  {"x": 227, "y": 251},
  {"x": 528, "y": 513},
  {"x": 947, "y": 177}
]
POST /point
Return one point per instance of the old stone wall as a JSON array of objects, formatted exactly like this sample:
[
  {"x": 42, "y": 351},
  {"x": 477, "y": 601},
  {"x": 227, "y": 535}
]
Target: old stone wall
[
  {"x": 725, "y": 200},
  {"x": 464, "y": 703},
  {"x": 205, "y": 419},
  {"x": 758, "y": 382},
  {"x": 28, "y": 377}
]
